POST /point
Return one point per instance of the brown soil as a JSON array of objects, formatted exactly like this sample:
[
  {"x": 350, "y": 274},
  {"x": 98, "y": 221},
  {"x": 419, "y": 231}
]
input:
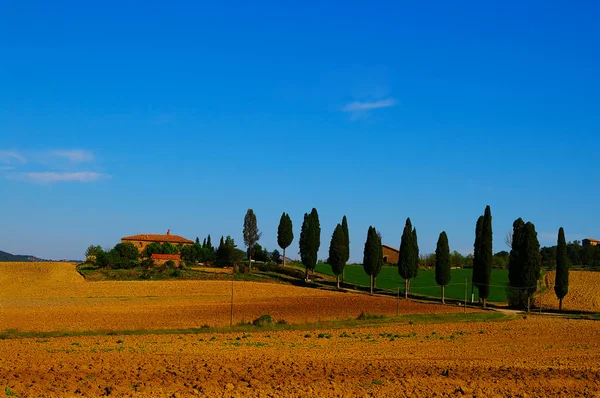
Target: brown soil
[
  {"x": 532, "y": 357},
  {"x": 525, "y": 357}
]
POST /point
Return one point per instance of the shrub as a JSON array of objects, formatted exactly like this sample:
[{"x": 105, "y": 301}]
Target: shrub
[
  {"x": 240, "y": 269},
  {"x": 364, "y": 316},
  {"x": 263, "y": 320},
  {"x": 282, "y": 322}
]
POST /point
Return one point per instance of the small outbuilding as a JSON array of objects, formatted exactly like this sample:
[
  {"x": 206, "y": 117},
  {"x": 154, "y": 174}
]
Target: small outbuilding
[{"x": 161, "y": 259}]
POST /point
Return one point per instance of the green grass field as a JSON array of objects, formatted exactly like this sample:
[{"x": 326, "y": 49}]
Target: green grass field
[{"x": 424, "y": 284}]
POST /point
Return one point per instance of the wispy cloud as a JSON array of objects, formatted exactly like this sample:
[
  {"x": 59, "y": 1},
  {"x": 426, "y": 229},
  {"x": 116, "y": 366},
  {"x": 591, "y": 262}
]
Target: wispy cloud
[
  {"x": 12, "y": 157},
  {"x": 358, "y": 106},
  {"x": 74, "y": 155},
  {"x": 48, "y": 177},
  {"x": 49, "y": 166}
]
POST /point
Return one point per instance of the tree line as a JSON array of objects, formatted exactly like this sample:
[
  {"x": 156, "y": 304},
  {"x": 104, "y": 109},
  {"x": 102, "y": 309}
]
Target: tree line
[{"x": 523, "y": 262}]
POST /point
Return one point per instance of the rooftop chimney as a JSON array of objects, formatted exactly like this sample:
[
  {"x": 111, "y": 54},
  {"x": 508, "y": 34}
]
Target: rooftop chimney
[{"x": 168, "y": 232}]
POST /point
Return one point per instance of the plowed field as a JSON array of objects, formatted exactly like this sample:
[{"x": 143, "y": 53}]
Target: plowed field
[
  {"x": 54, "y": 297},
  {"x": 584, "y": 292},
  {"x": 532, "y": 357}
]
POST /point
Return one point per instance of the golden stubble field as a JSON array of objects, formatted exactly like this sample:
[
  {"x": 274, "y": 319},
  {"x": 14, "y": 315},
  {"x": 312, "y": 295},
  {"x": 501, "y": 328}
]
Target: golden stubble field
[
  {"x": 584, "y": 291},
  {"x": 54, "y": 297}
]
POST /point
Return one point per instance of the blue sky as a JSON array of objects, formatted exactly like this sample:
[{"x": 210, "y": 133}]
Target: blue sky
[{"x": 119, "y": 118}]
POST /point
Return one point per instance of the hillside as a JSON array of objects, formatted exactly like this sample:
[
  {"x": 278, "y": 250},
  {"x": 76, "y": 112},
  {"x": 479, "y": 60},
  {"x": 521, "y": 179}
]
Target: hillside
[{"x": 4, "y": 256}]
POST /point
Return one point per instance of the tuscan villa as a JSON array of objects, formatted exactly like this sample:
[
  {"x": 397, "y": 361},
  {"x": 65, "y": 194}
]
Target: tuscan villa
[
  {"x": 590, "y": 242},
  {"x": 143, "y": 240}
]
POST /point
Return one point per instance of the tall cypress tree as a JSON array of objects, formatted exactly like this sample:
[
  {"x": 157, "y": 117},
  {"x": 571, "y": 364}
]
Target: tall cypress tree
[
  {"x": 310, "y": 240},
  {"x": 372, "y": 258},
  {"x": 442, "y": 263},
  {"x": 378, "y": 250},
  {"x": 487, "y": 256},
  {"x": 530, "y": 254},
  {"x": 407, "y": 258},
  {"x": 209, "y": 245},
  {"x": 347, "y": 241},
  {"x": 515, "y": 264},
  {"x": 317, "y": 232},
  {"x": 197, "y": 240},
  {"x": 416, "y": 251},
  {"x": 346, "y": 237},
  {"x": 561, "y": 283},
  {"x": 285, "y": 233},
  {"x": 477, "y": 255},
  {"x": 337, "y": 252},
  {"x": 251, "y": 234}
]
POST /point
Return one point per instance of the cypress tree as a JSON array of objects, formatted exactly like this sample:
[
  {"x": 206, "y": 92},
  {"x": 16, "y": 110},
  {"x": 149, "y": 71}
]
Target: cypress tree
[
  {"x": 317, "y": 232},
  {"x": 209, "y": 244},
  {"x": 515, "y": 264},
  {"x": 372, "y": 258},
  {"x": 251, "y": 234},
  {"x": 379, "y": 256},
  {"x": 487, "y": 256},
  {"x": 407, "y": 259},
  {"x": 416, "y": 251},
  {"x": 337, "y": 252},
  {"x": 530, "y": 254},
  {"x": 197, "y": 240},
  {"x": 477, "y": 255},
  {"x": 442, "y": 263},
  {"x": 310, "y": 240},
  {"x": 347, "y": 241},
  {"x": 285, "y": 233},
  {"x": 561, "y": 283}
]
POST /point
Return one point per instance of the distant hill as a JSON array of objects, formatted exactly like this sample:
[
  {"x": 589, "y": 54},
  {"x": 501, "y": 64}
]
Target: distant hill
[{"x": 4, "y": 256}]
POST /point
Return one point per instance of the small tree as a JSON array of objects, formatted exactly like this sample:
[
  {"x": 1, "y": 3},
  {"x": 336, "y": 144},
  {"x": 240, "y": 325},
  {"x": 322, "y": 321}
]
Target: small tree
[
  {"x": 209, "y": 245},
  {"x": 442, "y": 263},
  {"x": 152, "y": 248},
  {"x": 285, "y": 233},
  {"x": 169, "y": 248},
  {"x": 561, "y": 282},
  {"x": 276, "y": 257},
  {"x": 251, "y": 234},
  {"x": 226, "y": 254},
  {"x": 91, "y": 252},
  {"x": 408, "y": 257},
  {"x": 337, "y": 252},
  {"x": 372, "y": 258},
  {"x": 127, "y": 251}
]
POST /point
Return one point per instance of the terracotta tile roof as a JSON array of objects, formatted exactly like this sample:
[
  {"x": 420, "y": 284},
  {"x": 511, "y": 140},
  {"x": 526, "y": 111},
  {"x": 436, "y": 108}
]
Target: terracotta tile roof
[
  {"x": 593, "y": 240},
  {"x": 391, "y": 248},
  {"x": 157, "y": 256},
  {"x": 158, "y": 238}
]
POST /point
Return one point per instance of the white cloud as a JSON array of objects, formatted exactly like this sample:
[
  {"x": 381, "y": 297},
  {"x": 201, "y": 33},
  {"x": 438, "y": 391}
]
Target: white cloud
[
  {"x": 74, "y": 155},
  {"x": 48, "y": 177},
  {"x": 12, "y": 157},
  {"x": 358, "y": 106}
]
